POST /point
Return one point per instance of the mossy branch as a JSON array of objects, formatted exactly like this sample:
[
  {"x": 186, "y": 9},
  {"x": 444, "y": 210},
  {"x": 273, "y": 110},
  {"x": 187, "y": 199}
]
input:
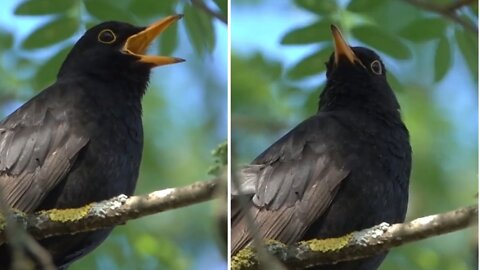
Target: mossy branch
[
  {"x": 115, "y": 211},
  {"x": 360, "y": 244}
]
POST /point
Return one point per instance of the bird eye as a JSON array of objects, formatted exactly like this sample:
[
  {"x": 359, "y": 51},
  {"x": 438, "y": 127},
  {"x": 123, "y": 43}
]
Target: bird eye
[
  {"x": 107, "y": 36},
  {"x": 376, "y": 67}
]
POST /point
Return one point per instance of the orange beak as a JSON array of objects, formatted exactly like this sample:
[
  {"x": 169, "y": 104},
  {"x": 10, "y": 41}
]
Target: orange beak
[
  {"x": 341, "y": 47},
  {"x": 138, "y": 43}
]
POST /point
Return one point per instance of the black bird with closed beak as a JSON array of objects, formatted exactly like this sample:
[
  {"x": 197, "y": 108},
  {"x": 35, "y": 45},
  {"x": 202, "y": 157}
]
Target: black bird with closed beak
[
  {"x": 80, "y": 140},
  {"x": 344, "y": 169}
]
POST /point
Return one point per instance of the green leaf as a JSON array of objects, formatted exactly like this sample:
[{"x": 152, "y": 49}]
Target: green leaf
[
  {"x": 169, "y": 40},
  {"x": 270, "y": 69},
  {"x": 318, "y": 7},
  {"x": 105, "y": 10},
  {"x": 23, "y": 63},
  {"x": 47, "y": 72},
  {"x": 152, "y": 8},
  {"x": 200, "y": 29},
  {"x": 311, "y": 101},
  {"x": 251, "y": 82},
  {"x": 6, "y": 40},
  {"x": 361, "y": 6},
  {"x": 311, "y": 65},
  {"x": 223, "y": 6},
  {"x": 468, "y": 45},
  {"x": 381, "y": 40},
  {"x": 59, "y": 29},
  {"x": 394, "y": 82},
  {"x": 220, "y": 159},
  {"x": 443, "y": 59},
  {"x": 424, "y": 29},
  {"x": 43, "y": 7},
  {"x": 315, "y": 32}
]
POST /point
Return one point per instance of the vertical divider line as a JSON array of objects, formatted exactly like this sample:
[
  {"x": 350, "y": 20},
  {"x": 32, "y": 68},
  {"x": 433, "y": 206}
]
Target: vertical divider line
[{"x": 229, "y": 132}]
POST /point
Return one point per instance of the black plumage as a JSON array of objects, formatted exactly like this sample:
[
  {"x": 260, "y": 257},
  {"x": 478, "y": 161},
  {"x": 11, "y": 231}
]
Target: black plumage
[
  {"x": 344, "y": 169},
  {"x": 80, "y": 140}
]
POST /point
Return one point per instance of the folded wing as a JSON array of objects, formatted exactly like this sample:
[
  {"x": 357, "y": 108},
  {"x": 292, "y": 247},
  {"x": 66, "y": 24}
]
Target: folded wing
[
  {"x": 290, "y": 185},
  {"x": 37, "y": 149}
]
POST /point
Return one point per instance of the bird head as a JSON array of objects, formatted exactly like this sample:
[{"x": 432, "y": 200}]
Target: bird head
[
  {"x": 117, "y": 47},
  {"x": 356, "y": 76}
]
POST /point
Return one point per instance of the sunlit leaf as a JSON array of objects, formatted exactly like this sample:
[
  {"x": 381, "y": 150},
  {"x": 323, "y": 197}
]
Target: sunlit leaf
[
  {"x": 364, "y": 5},
  {"x": 47, "y": 72},
  {"x": 443, "y": 59},
  {"x": 147, "y": 245},
  {"x": 311, "y": 65},
  {"x": 59, "y": 29},
  {"x": 105, "y": 10},
  {"x": 318, "y": 7},
  {"x": 424, "y": 29},
  {"x": 468, "y": 45},
  {"x": 315, "y": 32},
  {"x": 43, "y": 7},
  {"x": 381, "y": 40},
  {"x": 200, "y": 29}
]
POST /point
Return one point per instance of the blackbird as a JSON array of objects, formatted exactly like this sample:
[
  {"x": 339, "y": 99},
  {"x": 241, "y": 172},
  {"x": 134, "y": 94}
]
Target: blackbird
[
  {"x": 344, "y": 169},
  {"x": 80, "y": 140}
]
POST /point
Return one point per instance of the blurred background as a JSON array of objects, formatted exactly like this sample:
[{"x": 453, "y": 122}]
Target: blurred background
[
  {"x": 185, "y": 113},
  {"x": 278, "y": 53}
]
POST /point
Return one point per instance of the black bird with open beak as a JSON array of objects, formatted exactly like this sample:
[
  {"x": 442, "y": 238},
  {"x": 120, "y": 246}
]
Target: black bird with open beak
[
  {"x": 344, "y": 169},
  {"x": 81, "y": 139}
]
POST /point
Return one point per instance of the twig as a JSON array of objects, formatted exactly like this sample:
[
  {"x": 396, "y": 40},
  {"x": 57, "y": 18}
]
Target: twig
[
  {"x": 40, "y": 254},
  {"x": 448, "y": 11},
  {"x": 361, "y": 244},
  {"x": 458, "y": 4},
  {"x": 201, "y": 5},
  {"x": 22, "y": 243},
  {"x": 112, "y": 212},
  {"x": 258, "y": 124}
]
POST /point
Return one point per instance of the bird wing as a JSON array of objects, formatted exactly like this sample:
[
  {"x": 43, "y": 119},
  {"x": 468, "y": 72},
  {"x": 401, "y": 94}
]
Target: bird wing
[
  {"x": 291, "y": 184},
  {"x": 37, "y": 149}
]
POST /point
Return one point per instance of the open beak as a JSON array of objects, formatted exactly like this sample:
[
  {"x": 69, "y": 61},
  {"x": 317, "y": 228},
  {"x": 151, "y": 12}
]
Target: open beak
[
  {"x": 341, "y": 47},
  {"x": 138, "y": 43}
]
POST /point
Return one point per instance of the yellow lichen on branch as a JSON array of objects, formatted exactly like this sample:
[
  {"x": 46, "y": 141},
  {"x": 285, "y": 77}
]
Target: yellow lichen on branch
[
  {"x": 357, "y": 245},
  {"x": 328, "y": 244},
  {"x": 67, "y": 215},
  {"x": 106, "y": 214}
]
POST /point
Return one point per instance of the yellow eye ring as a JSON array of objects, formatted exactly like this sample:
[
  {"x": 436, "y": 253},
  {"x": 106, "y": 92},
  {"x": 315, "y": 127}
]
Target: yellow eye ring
[
  {"x": 376, "y": 67},
  {"x": 106, "y": 36}
]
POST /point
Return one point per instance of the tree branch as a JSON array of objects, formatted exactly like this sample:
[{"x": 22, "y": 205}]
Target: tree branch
[
  {"x": 448, "y": 11},
  {"x": 458, "y": 4},
  {"x": 115, "y": 211},
  {"x": 201, "y": 5},
  {"x": 360, "y": 244}
]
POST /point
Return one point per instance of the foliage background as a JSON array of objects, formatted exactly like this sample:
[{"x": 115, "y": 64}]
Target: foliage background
[
  {"x": 185, "y": 114},
  {"x": 278, "y": 53}
]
